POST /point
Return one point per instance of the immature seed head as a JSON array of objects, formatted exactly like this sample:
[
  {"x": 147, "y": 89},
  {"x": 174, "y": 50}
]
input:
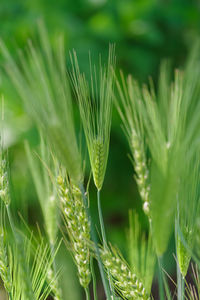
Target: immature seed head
[
  {"x": 4, "y": 266},
  {"x": 78, "y": 227},
  {"x": 126, "y": 282},
  {"x": 142, "y": 172},
  {"x": 95, "y": 97},
  {"x": 4, "y": 182}
]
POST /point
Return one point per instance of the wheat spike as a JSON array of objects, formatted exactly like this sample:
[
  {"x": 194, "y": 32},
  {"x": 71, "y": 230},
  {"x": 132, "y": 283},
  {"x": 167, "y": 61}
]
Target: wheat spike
[
  {"x": 98, "y": 166},
  {"x": 131, "y": 115},
  {"x": 126, "y": 282},
  {"x": 142, "y": 172},
  {"x": 4, "y": 267},
  {"x": 4, "y": 183},
  {"x": 78, "y": 227},
  {"x": 95, "y": 104}
]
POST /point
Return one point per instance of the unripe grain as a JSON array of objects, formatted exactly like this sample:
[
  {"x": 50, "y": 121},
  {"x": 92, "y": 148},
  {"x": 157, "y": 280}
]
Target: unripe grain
[{"x": 78, "y": 227}]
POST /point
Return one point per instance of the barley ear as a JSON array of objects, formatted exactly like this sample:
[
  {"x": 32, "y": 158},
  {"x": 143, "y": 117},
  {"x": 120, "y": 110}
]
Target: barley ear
[
  {"x": 77, "y": 226},
  {"x": 187, "y": 219},
  {"x": 95, "y": 104},
  {"x": 4, "y": 263},
  {"x": 4, "y": 181},
  {"x": 126, "y": 282},
  {"x": 130, "y": 111},
  {"x": 39, "y": 77}
]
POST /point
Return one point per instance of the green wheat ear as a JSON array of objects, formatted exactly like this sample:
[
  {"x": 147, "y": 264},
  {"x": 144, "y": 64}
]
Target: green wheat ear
[
  {"x": 4, "y": 182},
  {"x": 39, "y": 77},
  {"x": 187, "y": 219},
  {"x": 130, "y": 112},
  {"x": 42, "y": 168},
  {"x": 98, "y": 162},
  {"x": 77, "y": 225},
  {"x": 95, "y": 104},
  {"x": 126, "y": 282},
  {"x": 5, "y": 272}
]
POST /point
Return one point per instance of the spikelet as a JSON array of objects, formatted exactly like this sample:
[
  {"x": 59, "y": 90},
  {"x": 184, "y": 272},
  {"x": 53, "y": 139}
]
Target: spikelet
[
  {"x": 142, "y": 172},
  {"x": 78, "y": 227},
  {"x": 126, "y": 282},
  {"x": 4, "y": 267},
  {"x": 4, "y": 183}
]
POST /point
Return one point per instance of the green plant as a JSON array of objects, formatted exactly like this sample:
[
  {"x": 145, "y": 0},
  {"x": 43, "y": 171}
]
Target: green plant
[{"x": 162, "y": 127}]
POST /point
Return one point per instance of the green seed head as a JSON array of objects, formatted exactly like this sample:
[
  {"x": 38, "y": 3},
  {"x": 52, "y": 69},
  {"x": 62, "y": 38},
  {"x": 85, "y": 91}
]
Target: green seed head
[
  {"x": 142, "y": 172},
  {"x": 4, "y": 182},
  {"x": 4, "y": 267},
  {"x": 78, "y": 227},
  {"x": 127, "y": 283}
]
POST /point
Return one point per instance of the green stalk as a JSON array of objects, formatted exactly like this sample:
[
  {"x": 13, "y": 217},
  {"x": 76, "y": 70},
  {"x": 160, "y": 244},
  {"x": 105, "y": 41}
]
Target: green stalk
[
  {"x": 103, "y": 233},
  {"x": 10, "y": 296},
  {"x": 94, "y": 239},
  {"x": 180, "y": 279},
  {"x": 87, "y": 293},
  {"x": 180, "y": 285},
  {"x": 93, "y": 279},
  {"x": 160, "y": 279}
]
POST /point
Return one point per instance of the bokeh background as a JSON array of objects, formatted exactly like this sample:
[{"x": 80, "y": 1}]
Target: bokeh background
[{"x": 145, "y": 32}]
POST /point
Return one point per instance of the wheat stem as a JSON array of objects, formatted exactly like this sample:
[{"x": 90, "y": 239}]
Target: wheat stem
[
  {"x": 93, "y": 279},
  {"x": 160, "y": 279},
  {"x": 87, "y": 293},
  {"x": 180, "y": 285},
  {"x": 103, "y": 233}
]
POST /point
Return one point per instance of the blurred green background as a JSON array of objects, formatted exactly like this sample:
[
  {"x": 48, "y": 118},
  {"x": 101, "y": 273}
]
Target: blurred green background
[{"x": 145, "y": 32}]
